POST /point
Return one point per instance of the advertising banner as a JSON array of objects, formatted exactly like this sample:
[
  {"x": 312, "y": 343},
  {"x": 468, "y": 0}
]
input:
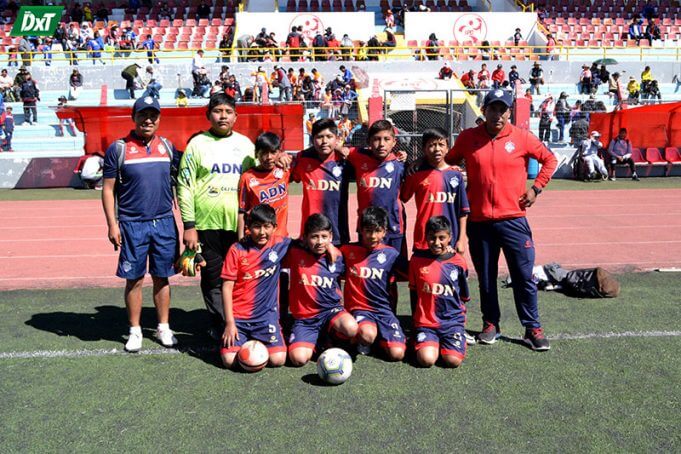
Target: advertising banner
[{"x": 37, "y": 21}]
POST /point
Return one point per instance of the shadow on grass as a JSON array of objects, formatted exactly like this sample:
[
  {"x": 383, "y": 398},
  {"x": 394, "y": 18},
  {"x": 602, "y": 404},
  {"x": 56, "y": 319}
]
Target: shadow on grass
[
  {"x": 314, "y": 380},
  {"x": 109, "y": 323}
]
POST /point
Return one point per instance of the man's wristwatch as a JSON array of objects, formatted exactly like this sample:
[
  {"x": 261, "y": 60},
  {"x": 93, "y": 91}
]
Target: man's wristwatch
[{"x": 536, "y": 190}]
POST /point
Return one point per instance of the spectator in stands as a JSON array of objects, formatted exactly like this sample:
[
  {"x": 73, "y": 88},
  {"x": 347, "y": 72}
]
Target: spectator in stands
[
  {"x": 590, "y": 104},
  {"x": 585, "y": 81},
  {"x": 619, "y": 153},
  {"x": 6, "y": 83},
  {"x": 546, "y": 109},
  {"x": 233, "y": 88},
  {"x": 75, "y": 84},
  {"x": 651, "y": 91},
  {"x": 576, "y": 111},
  {"x": 484, "y": 78},
  {"x": 127, "y": 41},
  {"x": 390, "y": 40},
  {"x": 579, "y": 130},
  {"x": 634, "y": 90},
  {"x": 131, "y": 75},
  {"x": 517, "y": 37},
  {"x": 45, "y": 47},
  {"x": 346, "y": 47},
  {"x": 59, "y": 35},
  {"x": 243, "y": 44},
  {"x": 202, "y": 86},
  {"x": 25, "y": 50},
  {"x": 445, "y": 72},
  {"x": 225, "y": 48},
  {"x": 284, "y": 83},
  {"x": 30, "y": 95},
  {"x": 95, "y": 47},
  {"x": 676, "y": 80},
  {"x": 536, "y": 78},
  {"x": 198, "y": 64},
  {"x": 389, "y": 18},
  {"x": 542, "y": 14},
  {"x": 152, "y": 83},
  {"x": 604, "y": 75},
  {"x": 86, "y": 32},
  {"x": 293, "y": 41},
  {"x": 486, "y": 51},
  {"x": 8, "y": 129},
  {"x": 333, "y": 51},
  {"x": 319, "y": 45},
  {"x": 88, "y": 15},
  {"x": 19, "y": 79},
  {"x": 327, "y": 109},
  {"x": 550, "y": 48},
  {"x": 648, "y": 10},
  {"x": 150, "y": 45},
  {"x": 348, "y": 97},
  {"x": 498, "y": 77},
  {"x": 588, "y": 151},
  {"x": 432, "y": 47},
  {"x": 181, "y": 100},
  {"x": 346, "y": 74},
  {"x": 646, "y": 77},
  {"x": 616, "y": 89},
  {"x": 595, "y": 78},
  {"x": 102, "y": 14},
  {"x": 203, "y": 11},
  {"x": 336, "y": 84},
  {"x": 66, "y": 124},
  {"x": 468, "y": 79},
  {"x": 76, "y": 13},
  {"x": 373, "y": 48},
  {"x": 635, "y": 29},
  {"x": 513, "y": 76},
  {"x": 261, "y": 86},
  {"x": 72, "y": 44},
  {"x": 562, "y": 111},
  {"x": 652, "y": 30},
  {"x": 216, "y": 88}
]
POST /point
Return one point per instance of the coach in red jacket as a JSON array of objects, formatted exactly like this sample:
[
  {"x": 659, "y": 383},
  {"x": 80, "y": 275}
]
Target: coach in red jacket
[{"x": 496, "y": 154}]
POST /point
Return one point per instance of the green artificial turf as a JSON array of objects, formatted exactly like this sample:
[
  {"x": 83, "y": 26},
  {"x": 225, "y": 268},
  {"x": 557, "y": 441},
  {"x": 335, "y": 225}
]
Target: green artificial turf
[{"x": 618, "y": 394}]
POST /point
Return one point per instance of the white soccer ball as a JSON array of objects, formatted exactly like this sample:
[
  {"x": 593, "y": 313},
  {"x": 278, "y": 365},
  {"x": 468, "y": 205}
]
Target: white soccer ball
[
  {"x": 334, "y": 366},
  {"x": 253, "y": 356}
]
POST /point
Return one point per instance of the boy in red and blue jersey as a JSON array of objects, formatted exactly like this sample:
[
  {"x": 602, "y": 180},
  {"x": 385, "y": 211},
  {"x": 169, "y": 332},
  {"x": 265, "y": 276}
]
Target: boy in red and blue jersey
[
  {"x": 379, "y": 174},
  {"x": 323, "y": 171},
  {"x": 439, "y": 190},
  {"x": 251, "y": 288},
  {"x": 316, "y": 301},
  {"x": 370, "y": 267},
  {"x": 439, "y": 280}
]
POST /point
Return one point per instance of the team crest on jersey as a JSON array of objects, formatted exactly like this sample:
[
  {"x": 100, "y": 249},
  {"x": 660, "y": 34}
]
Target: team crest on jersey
[
  {"x": 424, "y": 270},
  {"x": 133, "y": 150},
  {"x": 421, "y": 337},
  {"x": 337, "y": 171},
  {"x": 308, "y": 168},
  {"x": 253, "y": 182},
  {"x": 273, "y": 256},
  {"x": 510, "y": 147},
  {"x": 278, "y": 173},
  {"x": 332, "y": 267},
  {"x": 454, "y": 182},
  {"x": 454, "y": 275},
  {"x": 351, "y": 255},
  {"x": 381, "y": 258},
  {"x": 244, "y": 261},
  {"x": 364, "y": 166},
  {"x": 302, "y": 263},
  {"x": 390, "y": 167}
]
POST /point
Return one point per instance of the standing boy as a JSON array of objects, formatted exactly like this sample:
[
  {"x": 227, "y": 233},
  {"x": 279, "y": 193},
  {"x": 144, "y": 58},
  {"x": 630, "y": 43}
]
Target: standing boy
[
  {"x": 137, "y": 179},
  {"x": 8, "y": 128}
]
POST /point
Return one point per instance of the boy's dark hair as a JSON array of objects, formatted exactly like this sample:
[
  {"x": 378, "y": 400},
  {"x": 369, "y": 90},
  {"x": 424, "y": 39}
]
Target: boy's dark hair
[
  {"x": 325, "y": 123},
  {"x": 438, "y": 224},
  {"x": 261, "y": 214},
  {"x": 267, "y": 141},
  {"x": 317, "y": 223},
  {"x": 433, "y": 134},
  {"x": 380, "y": 125},
  {"x": 219, "y": 99},
  {"x": 374, "y": 218},
  {"x": 623, "y": 129}
]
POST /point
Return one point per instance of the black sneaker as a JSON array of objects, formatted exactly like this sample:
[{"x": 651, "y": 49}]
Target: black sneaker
[
  {"x": 635, "y": 177},
  {"x": 534, "y": 337},
  {"x": 489, "y": 335}
]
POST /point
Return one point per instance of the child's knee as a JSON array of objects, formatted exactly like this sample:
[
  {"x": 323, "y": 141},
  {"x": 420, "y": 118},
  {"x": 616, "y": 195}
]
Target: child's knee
[
  {"x": 452, "y": 360},
  {"x": 426, "y": 356},
  {"x": 366, "y": 333},
  {"x": 228, "y": 359},
  {"x": 348, "y": 326},
  {"x": 395, "y": 353},
  {"x": 300, "y": 356},
  {"x": 277, "y": 359}
]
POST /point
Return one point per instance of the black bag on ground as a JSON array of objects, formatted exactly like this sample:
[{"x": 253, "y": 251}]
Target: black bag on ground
[{"x": 590, "y": 283}]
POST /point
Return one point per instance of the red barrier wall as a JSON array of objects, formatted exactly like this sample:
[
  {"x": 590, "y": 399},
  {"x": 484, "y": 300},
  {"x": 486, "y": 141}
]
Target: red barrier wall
[
  {"x": 657, "y": 125},
  {"x": 104, "y": 124}
]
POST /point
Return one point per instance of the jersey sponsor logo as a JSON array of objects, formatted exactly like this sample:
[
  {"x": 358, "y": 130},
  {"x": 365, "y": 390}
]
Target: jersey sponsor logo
[
  {"x": 260, "y": 273},
  {"x": 365, "y": 272},
  {"x": 438, "y": 289},
  {"x": 381, "y": 258},
  {"x": 390, "y": 167},
  {"x": 323, "y": 185},
  {"x": 226, "y": 167},
  {"x": 376, "y": 182},
  {"x": 509, "y": 147},
  {"x": 316, "y": 281},
  {"x": 441, "y": 197},
  {"x": 272, "y": 193}
]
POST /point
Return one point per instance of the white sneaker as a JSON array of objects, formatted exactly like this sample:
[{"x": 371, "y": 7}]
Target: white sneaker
[
  {"x": 470, "y": 340},
  {"x": 134, "y": 343},
  {"x": 363, "y": 349},
  {"x": 166, "y": 337}
]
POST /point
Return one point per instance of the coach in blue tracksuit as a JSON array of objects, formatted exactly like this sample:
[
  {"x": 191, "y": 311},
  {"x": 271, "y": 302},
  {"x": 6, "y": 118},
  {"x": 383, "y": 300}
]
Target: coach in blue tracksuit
[
  {"x": 137, "y": 178},
  {"x": 496, "y": 154}
]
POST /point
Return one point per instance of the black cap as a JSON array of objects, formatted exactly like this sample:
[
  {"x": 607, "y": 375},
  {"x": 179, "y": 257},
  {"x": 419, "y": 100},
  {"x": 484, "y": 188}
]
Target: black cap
[
  {"x": 145, "y": 103},
  {"x": 503, "y": 96}
]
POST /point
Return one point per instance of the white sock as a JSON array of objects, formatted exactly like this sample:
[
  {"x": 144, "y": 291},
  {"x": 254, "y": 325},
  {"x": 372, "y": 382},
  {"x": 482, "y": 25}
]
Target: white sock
[
  {"x": 136, "y": 330},
  {"x": 163, "y": 326}
]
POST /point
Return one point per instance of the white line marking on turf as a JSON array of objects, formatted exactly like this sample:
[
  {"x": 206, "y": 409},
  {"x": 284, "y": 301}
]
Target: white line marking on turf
[{"x": 100, "y": 352}]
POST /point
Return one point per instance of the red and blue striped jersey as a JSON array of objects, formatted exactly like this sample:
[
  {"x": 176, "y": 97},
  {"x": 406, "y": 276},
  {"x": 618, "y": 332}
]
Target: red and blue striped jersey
[
  {"x": 368, "y": 273},
  {"x": 266, "y": 186},
  {"x": 441, "y": 285},
  {"x": 314, "y": 284},
  {"x": 255, "y": 272},
  {"x": 437, "y": 193},
  {"x": 325, "y": 190},
  {"x": 378, "y": 184}
]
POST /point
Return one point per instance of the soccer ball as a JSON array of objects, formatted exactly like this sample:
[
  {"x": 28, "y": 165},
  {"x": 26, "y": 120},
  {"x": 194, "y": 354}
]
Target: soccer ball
[
  {"x": 253, "y": 356},
  {"x": 334, "y": 366}
]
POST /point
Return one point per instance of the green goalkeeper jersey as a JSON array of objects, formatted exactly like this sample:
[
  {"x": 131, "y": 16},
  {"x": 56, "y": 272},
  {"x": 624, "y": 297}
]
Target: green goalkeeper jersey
[{"x": 208, "y": 180}]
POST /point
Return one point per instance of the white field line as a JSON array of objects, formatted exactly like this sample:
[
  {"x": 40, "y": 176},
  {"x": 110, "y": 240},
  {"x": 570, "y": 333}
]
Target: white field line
[{"x": 101, "y": 352}]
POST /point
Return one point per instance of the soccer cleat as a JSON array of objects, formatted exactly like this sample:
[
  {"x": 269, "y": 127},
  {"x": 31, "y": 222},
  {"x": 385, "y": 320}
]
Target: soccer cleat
[
  {"x": 363, "y": 349},
  {"x": 470, "y": 339},
  {"x": 612, "y": 178},
  {"x": 166, "y": 337},
  {"x": 635, "y": 177},
  {"x": 535, "y": 339},
  {"x": 489, "y": 335},
  {"x": 134, "y": 343}
]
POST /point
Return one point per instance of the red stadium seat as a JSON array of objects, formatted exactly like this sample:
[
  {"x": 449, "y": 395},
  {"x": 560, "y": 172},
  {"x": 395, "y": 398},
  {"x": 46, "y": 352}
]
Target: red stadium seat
[
  {"x": 672, "y": 155},
  {"x": 654, "y": 157},
  {"x": 637, "y": 156}
]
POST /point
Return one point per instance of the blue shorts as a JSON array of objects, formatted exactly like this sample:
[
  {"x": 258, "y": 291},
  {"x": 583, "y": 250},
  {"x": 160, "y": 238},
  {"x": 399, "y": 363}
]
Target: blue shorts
[
  {"x": 305, "y": 331},
  {"x": 266, "y": 330},
  {"x": 156, "y": 240},
  {"x": 450, "y": 340},
  {"x": 390, "y": 332}
]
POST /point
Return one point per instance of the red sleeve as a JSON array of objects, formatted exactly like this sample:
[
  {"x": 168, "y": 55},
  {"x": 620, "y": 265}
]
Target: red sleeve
[
  {"x": 408, "y": 188},
  {"x": 352, "y": 156},
  {"x": 548, "y": 161},
  {"x": 231, "y": 266},
  {"x": 296, "y": 171},
  {"x": 455, "y": 155},
  {"x": 243, "y": 194}
]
